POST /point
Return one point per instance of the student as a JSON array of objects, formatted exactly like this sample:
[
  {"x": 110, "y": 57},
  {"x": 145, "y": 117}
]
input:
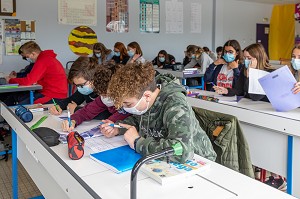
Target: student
[
  {"x": 211, "y": 54},
  {"x": 81, "y": 74},
  {"x": 101, "y": 104},
  {"x": 47, "y": 71},
  {"x": 197, "y": 56},
  {"x": 120, "y": 53},
  {"x": 219, "y": 51},
  {"x": 23, "y": 72},
  {"x": 161, "y": 115},
  {"x": 255, "y": 57},
  {"x": 186, "y": 58},
  {"x": 296, "y": 66},
  {"x": 225, "y": 71},
  {"x": 163, "y": 59},
  {"x": 101, "y": 53},
  {"x": 135, "y": 53}
]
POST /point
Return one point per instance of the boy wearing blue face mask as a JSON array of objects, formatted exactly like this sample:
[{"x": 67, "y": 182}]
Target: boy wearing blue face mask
[
  {"x": 225, "y": 71},
  {"x": 101, "y": 53},
  {"x": 161, "y": 115},
  {"x": 296, "y": 66},
  {"x": 102, "y": 107},
  {"x": 163, "y": 60},
  {"x": 80, "y": 74}
]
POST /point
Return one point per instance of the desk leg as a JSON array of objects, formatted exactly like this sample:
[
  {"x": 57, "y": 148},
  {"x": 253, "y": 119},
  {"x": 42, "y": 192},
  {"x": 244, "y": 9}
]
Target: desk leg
[
  {"x": 31, "y": 97},
  {"x": 202, "y": 83},
  {"x": 14, "y": 165},
  {"x": 184, "y": 82},
  {"x": 290, "y": 164}
]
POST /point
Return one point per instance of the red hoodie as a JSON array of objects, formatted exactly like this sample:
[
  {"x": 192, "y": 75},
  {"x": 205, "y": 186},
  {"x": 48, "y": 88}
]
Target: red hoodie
[{"x": 48, "y": 72}]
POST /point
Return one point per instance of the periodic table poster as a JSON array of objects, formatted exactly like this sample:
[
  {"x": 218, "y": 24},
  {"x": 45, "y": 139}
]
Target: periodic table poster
[
  {"x": 149, "y": 16},
  {"x": 77, "y": 12}
]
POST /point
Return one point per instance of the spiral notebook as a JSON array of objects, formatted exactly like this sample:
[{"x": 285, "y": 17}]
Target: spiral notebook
[{"x": 119, "y": 159}]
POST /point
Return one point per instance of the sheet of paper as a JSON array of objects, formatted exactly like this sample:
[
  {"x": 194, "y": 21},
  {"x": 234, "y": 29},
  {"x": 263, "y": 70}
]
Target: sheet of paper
[
  {"x": 196, "y": 17},
  {"x": 174, "y": 16},
  {"x": 278, "y": 86},
  {"x": 254, "y": 86}
]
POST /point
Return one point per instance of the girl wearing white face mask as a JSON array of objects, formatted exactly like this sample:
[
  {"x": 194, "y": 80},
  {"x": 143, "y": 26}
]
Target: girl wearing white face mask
[
  {"x": 161, "y": 116},
  {"x": 101, "y": 53},
  {"x": 135, "y": 53},
  {"x": 296, "y": 66},
  {"x": 102, "y": 107}
]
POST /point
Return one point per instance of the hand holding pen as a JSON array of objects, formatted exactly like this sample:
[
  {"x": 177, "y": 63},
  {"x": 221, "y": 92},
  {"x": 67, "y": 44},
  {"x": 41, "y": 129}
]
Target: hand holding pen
[
  {"x": 55, "y": 110},
  {"x": 109, "y": 129}
]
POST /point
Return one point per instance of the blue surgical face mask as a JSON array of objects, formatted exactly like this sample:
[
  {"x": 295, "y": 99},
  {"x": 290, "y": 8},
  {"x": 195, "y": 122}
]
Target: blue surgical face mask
[
  {"x": 161, "y": 59},
  {"x": 296, "y": 63},
  {"x": 134, "y": 110},
  {"x": 229, "y": 57},
  {"x": 193, "y": 56},
  {"x": 247, "y": 63},
  {"x": 130, "y": 53},
  {"x": 29, "y": 60},
  {"x": 117, "y": 54},
  {"x": 98, "y": 55},
  {"x": 85, "y": 90}
]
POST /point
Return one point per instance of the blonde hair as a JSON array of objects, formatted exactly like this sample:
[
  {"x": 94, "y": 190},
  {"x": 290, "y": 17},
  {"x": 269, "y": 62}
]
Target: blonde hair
[
  {"x": 196, "y": 50},
  {"x": 30, "y": 47}
]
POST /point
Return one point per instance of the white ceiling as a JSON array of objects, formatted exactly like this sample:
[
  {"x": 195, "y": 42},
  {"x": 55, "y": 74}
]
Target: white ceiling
[{"x": 274, "y": 1}]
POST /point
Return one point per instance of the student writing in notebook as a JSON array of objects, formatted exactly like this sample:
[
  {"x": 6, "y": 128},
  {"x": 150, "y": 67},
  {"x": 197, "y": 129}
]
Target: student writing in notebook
[
  {"x": 255, "y": 57},
  {"x": 81, "y": 75},
  {"x": 163, "y": 60},
  {"x": 135, "y": 53},
  {"x": 102, "y": 104},
  {"x": 161, "y": 115},
  {"x": 120, "y": 53},
  {"x": 101, "y": 53},
  {"x": 296, "y": 66}
]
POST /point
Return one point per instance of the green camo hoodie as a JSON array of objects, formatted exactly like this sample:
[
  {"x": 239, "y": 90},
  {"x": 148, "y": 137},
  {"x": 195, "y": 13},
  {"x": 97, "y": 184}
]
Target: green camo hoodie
[{"x": 168, "y": 121}]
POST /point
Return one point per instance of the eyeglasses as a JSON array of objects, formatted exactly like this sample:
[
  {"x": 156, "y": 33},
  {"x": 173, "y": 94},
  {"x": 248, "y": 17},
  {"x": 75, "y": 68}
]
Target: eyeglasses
[{"x": 81, "y": 85}]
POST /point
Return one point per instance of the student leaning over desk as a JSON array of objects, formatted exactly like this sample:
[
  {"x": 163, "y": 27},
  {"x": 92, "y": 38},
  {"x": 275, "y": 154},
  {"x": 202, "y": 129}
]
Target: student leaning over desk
[
  {"x": 101, "y": 53},
  {"x": 47, "y": 71},
  {"x": 102, "y": 104},
  {"x": 135, "y": 53},
  {"x": 120, "y": 53},
  {"x": 81, "y": 75},
  {"x": 255, "y": 57},
  {"x": 161, "y": 115},
  {"x": 296, "y": 66}
]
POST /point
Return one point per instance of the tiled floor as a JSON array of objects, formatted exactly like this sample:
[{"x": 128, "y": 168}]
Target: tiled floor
[{"x": 27, "y": 188}]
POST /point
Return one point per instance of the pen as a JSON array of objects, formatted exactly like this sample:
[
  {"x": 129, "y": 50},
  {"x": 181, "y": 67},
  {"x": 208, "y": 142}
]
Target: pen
[
  {"x": 114, "y": 125},
  {"x": 212, "y": 83},
  {"x": 69, "y": 116},
  {"x": 54, "y": 104}
]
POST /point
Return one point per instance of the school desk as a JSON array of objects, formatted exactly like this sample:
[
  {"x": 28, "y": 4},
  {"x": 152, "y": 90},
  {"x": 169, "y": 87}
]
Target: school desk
[
  {"x": 57, "y": 176},
  {"x": 273, "y": 137},
  {"x": 184, "y": 77}
]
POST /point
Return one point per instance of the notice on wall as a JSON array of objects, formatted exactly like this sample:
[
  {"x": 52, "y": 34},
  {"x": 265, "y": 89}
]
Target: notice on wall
[
  {"x": 195, "y": 18},
  {"x": 27, "y": 31},
  {"x": 12, "y": 34},
  {"x": 77, "y": 12},
  {"x": 117, "y": 16},
  {"x": 149, "y": 16},
  {"x": 174, "y": 16}
]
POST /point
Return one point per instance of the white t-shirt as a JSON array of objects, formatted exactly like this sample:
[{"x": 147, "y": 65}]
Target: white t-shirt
[{"x": 225, "y": 77}]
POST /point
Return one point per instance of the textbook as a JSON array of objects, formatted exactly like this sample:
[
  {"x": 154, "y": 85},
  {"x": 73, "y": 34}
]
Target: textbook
[
  {"x": 119, "y": 159},
  {"x": 165, "y": 173}
]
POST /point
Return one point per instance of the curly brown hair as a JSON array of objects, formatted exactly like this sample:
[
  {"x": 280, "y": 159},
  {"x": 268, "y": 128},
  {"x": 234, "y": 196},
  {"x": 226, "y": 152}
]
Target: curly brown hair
[
  {"x": 83, "y": 67},
  {"x": 103, "y": 76},
  {"x": 132, "y": 80}
]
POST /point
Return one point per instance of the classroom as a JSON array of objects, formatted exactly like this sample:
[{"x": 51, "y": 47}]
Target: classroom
[{"x": 221, "y": 111}]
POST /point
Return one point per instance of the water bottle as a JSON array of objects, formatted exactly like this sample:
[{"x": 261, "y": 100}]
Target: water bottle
[{"x": 23, "y": 113}]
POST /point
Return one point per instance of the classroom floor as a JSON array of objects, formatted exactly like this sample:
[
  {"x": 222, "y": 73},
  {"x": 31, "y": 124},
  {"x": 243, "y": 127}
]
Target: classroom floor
[{"x": 27, "y": 188}]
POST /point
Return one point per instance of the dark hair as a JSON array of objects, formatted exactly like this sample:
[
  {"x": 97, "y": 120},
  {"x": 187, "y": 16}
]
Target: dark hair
[
  {"x": 167, "y": 58},
  {"x": 197, "y": 50},
  {"x": 236, "y": 45},
  {"x": 103, "y": 76},
  {"x": 104, "y": 51},
  {"x": 135, "y": 45},
  {"x": 83, "y": 67},
  {"x": 122, "y": 48},
  {"x": 219, "y": 49},
  {"x": 206, "y": 49}
]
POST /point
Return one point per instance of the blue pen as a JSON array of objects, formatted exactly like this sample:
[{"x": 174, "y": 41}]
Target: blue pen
[
  {"x": 69, "y": 117},
  {"x": 114, "y": 125},
  {"x": 212, "y": 83}
]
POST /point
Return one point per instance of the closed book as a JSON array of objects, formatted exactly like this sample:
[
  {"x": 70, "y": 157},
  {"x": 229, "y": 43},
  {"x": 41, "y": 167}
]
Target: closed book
[
  {"x": 119, "y": 159},
  {"x": 173, "y": 172}
]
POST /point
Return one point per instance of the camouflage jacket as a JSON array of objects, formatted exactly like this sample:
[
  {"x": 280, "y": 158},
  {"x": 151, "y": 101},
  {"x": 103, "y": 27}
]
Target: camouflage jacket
[{"x": 168, "y": 121}]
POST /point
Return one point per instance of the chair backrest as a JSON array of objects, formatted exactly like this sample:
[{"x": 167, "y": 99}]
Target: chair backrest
[{"x": 70, "y": 86}]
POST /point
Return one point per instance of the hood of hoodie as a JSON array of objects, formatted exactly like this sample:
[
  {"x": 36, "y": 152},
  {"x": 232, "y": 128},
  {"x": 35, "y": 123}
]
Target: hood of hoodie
[{"x": 48, "y": 53}]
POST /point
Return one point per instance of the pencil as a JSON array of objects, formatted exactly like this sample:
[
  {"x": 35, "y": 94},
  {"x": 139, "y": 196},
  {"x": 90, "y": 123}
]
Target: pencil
[{"x": 55, "y": 104}]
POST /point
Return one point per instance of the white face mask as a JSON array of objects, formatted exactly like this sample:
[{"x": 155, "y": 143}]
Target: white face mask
[
  {"x": 134, "y": 110},
  {"x": 296, "y": 63},
  {"x": 107, "y": 101}
]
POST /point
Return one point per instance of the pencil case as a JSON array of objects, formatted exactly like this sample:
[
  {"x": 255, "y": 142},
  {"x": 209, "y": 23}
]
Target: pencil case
[
  {"x": 75, "y": 145},
  {"x": 208, "y": 98}
]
